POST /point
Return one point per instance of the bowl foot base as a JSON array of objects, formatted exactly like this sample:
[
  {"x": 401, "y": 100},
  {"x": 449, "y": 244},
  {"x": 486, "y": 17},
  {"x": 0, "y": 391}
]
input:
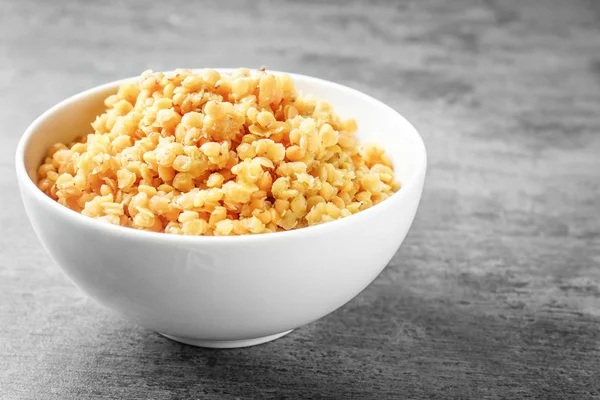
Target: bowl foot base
[{"x": 226, "y": 344}]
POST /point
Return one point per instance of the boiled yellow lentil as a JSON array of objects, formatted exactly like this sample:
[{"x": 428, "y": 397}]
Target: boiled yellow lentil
[{"x": 208, "y": 153}]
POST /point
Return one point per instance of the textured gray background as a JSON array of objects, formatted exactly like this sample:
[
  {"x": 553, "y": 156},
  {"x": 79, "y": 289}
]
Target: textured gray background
[{"x": 496, "y": 290}]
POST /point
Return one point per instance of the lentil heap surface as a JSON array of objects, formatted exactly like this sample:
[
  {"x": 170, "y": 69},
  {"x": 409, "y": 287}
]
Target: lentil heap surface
[{"x": 209, "y": 153}]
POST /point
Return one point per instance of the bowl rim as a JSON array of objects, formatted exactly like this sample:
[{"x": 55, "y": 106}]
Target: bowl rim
[{"x": 26, "y": 183}]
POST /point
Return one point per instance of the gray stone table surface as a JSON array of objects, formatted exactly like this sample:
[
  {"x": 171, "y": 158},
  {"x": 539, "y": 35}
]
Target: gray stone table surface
[{"x": 495, "y": 292}]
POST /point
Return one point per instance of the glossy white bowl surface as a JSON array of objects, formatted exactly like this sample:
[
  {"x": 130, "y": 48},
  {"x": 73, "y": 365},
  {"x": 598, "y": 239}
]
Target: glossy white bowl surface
[{"x": 226, "y": 291}]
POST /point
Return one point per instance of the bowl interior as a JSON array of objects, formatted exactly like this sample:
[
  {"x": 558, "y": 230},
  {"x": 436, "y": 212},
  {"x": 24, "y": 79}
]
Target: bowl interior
[{"x": 377, "y": 123}]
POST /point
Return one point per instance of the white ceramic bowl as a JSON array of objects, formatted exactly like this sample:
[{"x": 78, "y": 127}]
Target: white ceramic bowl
[{"x": 225, "y": 291}]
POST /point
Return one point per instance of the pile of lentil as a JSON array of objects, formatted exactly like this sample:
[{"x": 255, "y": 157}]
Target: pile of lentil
[{"x": 209, "y": 153}]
